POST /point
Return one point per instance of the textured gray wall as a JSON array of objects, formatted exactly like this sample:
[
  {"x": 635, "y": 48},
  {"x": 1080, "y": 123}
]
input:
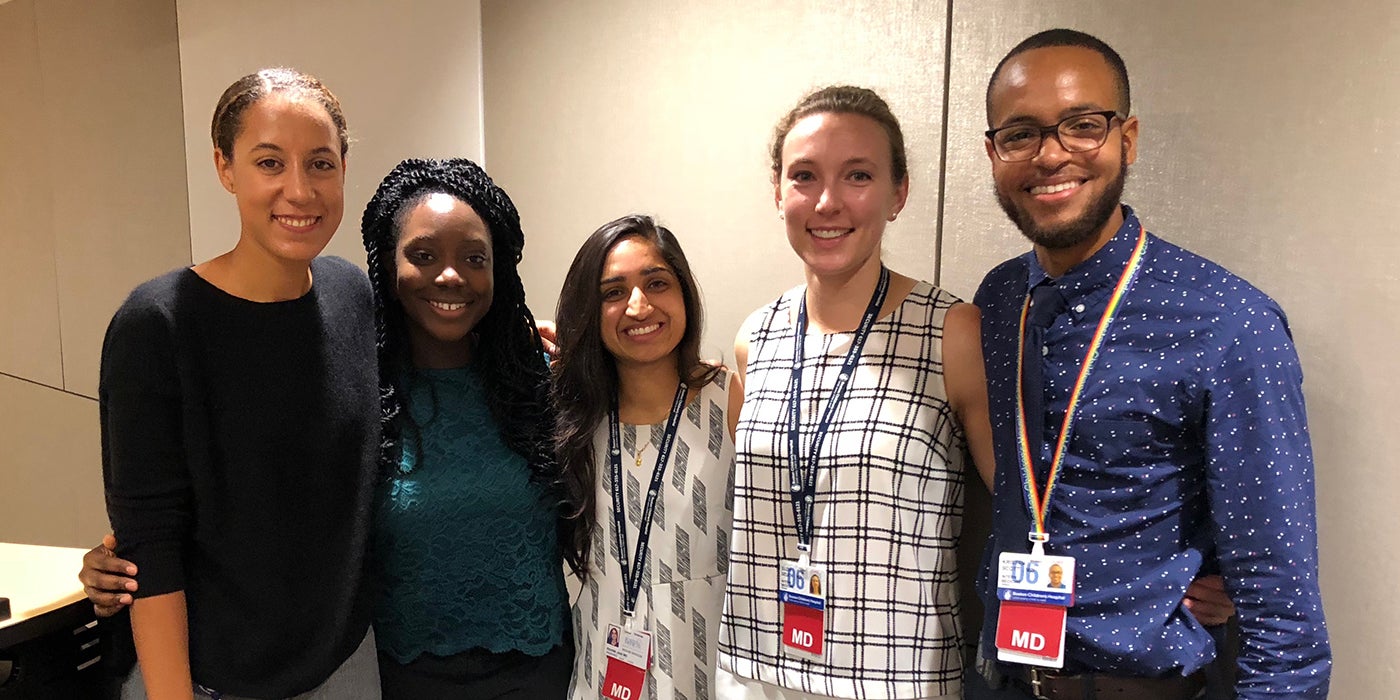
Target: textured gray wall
[
  {"x": 408, "y": 76},
  {"x": 599, "y": 108}
]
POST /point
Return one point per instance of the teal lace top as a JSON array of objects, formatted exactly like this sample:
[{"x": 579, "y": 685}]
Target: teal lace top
[{"x": 465, "y": 545}]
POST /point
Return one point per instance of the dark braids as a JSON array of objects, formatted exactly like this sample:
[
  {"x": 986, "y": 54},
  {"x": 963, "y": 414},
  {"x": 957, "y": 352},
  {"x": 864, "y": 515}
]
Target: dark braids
[{"x": 508, "y": 353}]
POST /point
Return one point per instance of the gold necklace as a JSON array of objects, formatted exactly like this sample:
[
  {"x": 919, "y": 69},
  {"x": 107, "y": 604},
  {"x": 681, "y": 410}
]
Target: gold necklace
[{"x": 640, "y": 451}]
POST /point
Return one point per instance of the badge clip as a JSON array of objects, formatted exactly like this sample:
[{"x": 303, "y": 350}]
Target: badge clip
[{"x": 1038, "y": 540}]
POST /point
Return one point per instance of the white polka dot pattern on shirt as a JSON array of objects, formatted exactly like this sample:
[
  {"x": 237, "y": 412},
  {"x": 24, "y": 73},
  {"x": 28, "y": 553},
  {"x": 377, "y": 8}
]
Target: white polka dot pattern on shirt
[{"x": 1190, "y": 451}]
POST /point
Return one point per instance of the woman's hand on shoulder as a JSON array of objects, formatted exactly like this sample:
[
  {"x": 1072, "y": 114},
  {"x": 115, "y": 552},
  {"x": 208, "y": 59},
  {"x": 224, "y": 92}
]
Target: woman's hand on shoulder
[
  {"x": 549, "y": 336},
  {"x": 106, "y": 578}
]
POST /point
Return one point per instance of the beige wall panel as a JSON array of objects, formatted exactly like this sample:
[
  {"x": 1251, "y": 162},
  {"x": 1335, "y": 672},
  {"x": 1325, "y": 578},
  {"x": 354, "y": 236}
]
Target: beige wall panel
[
  {"x": 600, "y": 108},
  {"x": 1268, "y": 143},
  {"x": 30, "y": 345},
  {"x": 408, "y": 76},
  {"x": 52, "y": 467},
  {"x": 112, "y": 77}
]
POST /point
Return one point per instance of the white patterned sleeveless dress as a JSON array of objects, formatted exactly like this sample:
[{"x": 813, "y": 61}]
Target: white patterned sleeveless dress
[
  {"x": 683, "y": 583},
  {"x": 888, "y": 511}
]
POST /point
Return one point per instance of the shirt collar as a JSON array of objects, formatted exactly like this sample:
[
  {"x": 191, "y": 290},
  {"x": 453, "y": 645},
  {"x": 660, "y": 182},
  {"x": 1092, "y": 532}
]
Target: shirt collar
[{"x": 1101, "y": 270}]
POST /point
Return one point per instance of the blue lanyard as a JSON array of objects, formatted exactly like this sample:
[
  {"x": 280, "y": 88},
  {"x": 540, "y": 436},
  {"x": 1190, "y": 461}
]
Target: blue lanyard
[
  {"x": 632, "y": 576},
  {"x": 803, "y": 482}
]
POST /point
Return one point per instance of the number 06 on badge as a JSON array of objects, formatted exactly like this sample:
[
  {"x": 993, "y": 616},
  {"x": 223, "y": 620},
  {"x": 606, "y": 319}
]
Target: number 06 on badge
[{"x": 802, "y": 594}]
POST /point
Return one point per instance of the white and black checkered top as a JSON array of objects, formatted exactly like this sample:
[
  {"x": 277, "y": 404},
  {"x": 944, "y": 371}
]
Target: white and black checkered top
[{"x": 888, "y": 509}]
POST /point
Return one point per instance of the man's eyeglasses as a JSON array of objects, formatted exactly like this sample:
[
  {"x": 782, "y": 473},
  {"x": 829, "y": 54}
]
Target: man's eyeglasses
[{"x": 1076, "y": 134}]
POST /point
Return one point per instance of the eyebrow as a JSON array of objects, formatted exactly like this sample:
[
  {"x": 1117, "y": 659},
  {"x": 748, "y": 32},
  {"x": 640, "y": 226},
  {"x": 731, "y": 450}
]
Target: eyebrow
[
  {"x": 428, "y": 236},
  {"x": 1064, "y": 113},
  {"x": 859, "y": 160},
  {"x": 647, "y": 272},
  {"x": 265, "y": 146}
]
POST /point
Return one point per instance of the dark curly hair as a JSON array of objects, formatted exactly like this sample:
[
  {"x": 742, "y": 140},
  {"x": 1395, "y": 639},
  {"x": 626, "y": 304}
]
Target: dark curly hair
[
  {"x": 508, "y": 352},
  {"x": 585, "y": 374}
]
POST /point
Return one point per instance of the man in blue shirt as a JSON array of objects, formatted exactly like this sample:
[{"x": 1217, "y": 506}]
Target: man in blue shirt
[{"x": 1187, "y": 442}]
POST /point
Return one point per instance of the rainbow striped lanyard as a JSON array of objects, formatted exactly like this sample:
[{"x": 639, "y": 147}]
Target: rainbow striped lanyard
[{"x": 1038, "y": 503}]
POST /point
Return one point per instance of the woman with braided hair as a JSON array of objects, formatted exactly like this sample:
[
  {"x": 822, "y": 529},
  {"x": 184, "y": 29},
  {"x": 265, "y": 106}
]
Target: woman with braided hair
[{"x": 466, "y": 545}]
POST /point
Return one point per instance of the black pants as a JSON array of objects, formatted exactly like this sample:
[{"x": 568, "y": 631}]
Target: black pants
[
  {"x": 478, "y": 673},
  {"x": 1220, "y": 673}
]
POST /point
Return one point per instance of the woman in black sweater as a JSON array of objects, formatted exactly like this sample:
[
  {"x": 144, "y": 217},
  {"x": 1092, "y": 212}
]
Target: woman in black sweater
[{"x": 239, "y": 414}]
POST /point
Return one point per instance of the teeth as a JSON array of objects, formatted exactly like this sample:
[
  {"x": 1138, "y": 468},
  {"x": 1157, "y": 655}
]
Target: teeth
[
  {"x": 297, "y": 223},
  {"x": 829, "y": 233},
  {"x": 446, "y": 306},
  {"x": 1052, "y": 189},
  {"x": 643, "y": 330}
]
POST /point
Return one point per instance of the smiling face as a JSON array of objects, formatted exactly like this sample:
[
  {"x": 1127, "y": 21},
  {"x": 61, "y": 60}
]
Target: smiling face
[
  {"x": 287, "y": 175},
  {"x": 643, "y": 315},
  {"x": 836, "y": 191},
  {"x": 445, "y": 278},
  {"x": 1059, "y": 199}
]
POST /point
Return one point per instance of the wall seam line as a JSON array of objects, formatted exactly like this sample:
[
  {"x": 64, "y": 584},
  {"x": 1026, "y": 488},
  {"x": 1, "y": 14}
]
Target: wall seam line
[
  {"x": 59, "y": 389},
  {"x": 52, "y": 200},
  {"x": 481, "y": 81},
  {"x": 943, "y": 146}
]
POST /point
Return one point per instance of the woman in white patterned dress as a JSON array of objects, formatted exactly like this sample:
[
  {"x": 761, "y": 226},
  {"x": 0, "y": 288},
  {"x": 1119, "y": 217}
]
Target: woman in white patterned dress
[
  {"x": 629, "y": 328},
  {"x": 886, "y": 508}
]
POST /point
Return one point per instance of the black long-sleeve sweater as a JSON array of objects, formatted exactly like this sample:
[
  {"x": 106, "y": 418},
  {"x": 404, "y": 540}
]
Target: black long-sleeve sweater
[{"x": 238, "y": 450}]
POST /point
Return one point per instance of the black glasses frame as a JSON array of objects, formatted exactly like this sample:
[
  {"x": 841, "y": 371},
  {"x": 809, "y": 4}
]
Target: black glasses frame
[{"x": 1054, "y": 129}]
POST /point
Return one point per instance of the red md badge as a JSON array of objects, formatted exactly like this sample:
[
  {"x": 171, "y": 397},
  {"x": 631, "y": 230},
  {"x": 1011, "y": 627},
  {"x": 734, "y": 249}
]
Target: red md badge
[
  {"x": 1031, "y": 633},
  {"x": 802, "y": 594},
  {"x": 629, "y": 655},
  {"x": 1035, "y": 593}
]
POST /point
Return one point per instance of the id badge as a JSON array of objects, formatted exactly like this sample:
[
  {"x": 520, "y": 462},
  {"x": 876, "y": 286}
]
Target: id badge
[
  {"x": 1035, "y": 593},
  {"x": 629, "y": 655},
  {"x": 802, "y": 594}
]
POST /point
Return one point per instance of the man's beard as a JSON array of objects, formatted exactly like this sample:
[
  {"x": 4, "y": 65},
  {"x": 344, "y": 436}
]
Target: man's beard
[{"x": 1080, "y": 229}]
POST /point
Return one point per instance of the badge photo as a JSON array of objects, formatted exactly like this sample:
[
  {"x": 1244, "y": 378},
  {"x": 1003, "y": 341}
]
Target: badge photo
[
  {"x": 629, "y": 657},
  {"x": 802, "y": 595}
]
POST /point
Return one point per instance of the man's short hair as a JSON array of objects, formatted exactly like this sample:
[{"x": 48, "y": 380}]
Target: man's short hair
[{"x": 1069, "y": 37}]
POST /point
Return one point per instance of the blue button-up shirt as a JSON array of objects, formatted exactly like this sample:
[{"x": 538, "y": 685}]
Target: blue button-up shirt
[{"x": 1190, "y": 446}]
